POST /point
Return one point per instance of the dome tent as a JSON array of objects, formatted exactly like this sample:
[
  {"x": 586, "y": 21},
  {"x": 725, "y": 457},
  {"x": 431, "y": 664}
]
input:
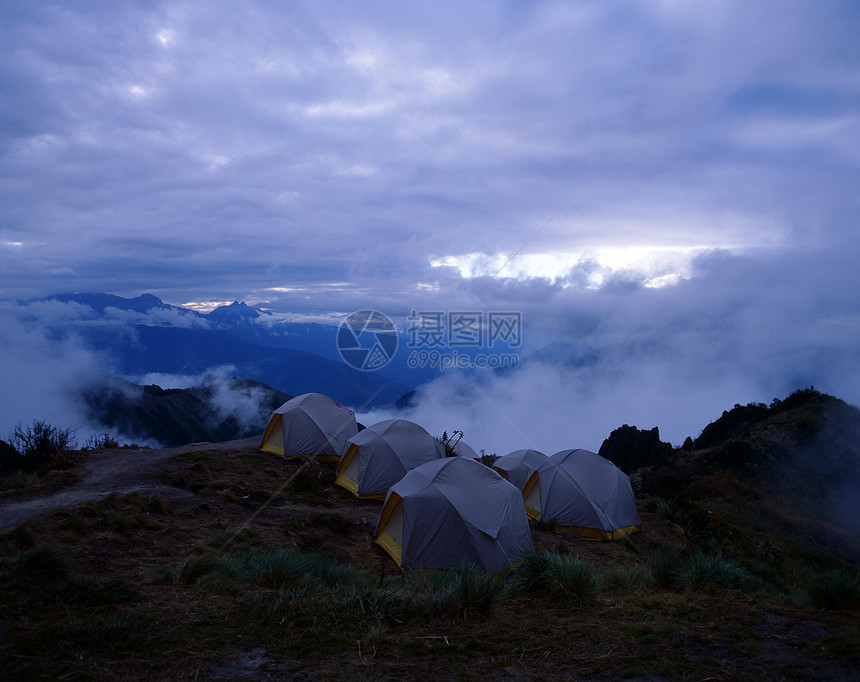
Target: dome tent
[
  {"x": 519, "y": 467},
  {"x": 378, "y": 457},
  {"x": 311, "y": 424},
  {"x": 465, "y": 450},
  {"x": 451, "y": 512},
  {"x": 584, "y": 494}
]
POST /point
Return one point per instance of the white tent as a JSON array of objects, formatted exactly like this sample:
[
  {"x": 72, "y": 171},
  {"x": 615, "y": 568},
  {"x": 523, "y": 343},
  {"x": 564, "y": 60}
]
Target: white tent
[
  {"x": 378, "y": 457},
  {"x": 519, "y": 467},
  {"x": 465, "y": 450},
  {"x": 451, "y": 512},
  {"x": 311, "y": 424},
  {"x": 584, "y": 494}
]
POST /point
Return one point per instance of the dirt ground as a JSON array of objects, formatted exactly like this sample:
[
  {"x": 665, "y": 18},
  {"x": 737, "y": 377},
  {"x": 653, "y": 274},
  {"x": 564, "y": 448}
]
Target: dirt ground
[
  {"x": 215, "y": 487},
  {"x": 116, "y": 470}
]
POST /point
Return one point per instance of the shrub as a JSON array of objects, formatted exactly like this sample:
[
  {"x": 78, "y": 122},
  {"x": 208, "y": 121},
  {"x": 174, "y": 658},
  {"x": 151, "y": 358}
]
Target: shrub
[
  {"x": 100, "y": 441},
  {"x": 450, "y": 442},
  {"x": 9, "y": 457},
  {"x": 836, "y": 589},
  {"x": 308, "y": 478},
  {"x": 488, "y": 458},
  {"x": 542, "y": 524},
  {"x": 41, "y": 444}
]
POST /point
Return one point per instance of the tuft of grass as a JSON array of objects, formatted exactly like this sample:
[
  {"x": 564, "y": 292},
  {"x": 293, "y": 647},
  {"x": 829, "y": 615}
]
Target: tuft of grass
[
  {"x": 837, "y": 589},
  {"x": 702, "y": 569},
  {"x": 665, "y": 564},
  {"x": 196, "y": 567},
  {"x": 41, "y": 565},
  {"x": 570, "y": 578},
  {"x": 627, "y": 579},
  {"x": 444, "y": 594},
  {"x": 271, "y": 567},
  {"x": 383, "y": 605},
  {"x": 476, "y": 592},
  {"x": 276, "y": 568},
  {"x": 658, "y": 506}
]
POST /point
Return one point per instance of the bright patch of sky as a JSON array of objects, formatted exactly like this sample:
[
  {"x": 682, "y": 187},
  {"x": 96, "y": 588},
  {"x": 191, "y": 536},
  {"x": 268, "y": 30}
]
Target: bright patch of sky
[{"x": 651, "y": 266}]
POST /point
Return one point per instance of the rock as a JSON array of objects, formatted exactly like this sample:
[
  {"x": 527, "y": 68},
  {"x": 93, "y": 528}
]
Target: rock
[{"x": 630, "y": 448}]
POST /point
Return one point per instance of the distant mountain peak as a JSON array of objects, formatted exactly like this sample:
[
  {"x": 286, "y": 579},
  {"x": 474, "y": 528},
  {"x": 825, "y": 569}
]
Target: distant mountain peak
[{"x": 235, "y": 312}]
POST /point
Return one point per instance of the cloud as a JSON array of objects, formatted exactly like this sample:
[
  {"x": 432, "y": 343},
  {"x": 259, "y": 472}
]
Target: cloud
[
  {"x": 745, "y": 328},
  {"x": 407, "y": 134},
  {"x": 40, "y": 375}
]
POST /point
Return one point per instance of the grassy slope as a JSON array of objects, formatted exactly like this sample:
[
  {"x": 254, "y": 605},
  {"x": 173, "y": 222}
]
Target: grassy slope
[{"x": 139, "y": 587}]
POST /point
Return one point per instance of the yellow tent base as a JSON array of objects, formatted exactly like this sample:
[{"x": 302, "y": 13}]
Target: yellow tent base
[
  {"x": 388, "y": 543},
  {"x": 347, "y": 483},
  {"x": 279, "y": 452},
  {"x": 272, "y": 450},
  {"x": 596, "y": 533}
]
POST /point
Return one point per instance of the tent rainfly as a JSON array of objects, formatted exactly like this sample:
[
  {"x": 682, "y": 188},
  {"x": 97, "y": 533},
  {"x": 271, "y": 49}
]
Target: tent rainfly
[
  {"x": 584, "y": 494},
  {"x": 311, "y": 424},
  {"x": 451, "y": 512},
  {"x": 518, "y": 467},
  {"x": 380, "y": 455},
  {"x": 465, "y": 450}
]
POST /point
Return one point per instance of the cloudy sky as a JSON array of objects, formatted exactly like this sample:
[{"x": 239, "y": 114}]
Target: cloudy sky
[{"x": 671, "y": 183}]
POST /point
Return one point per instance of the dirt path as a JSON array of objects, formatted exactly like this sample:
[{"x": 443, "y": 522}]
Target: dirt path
[{"x": 118, "y": 470}]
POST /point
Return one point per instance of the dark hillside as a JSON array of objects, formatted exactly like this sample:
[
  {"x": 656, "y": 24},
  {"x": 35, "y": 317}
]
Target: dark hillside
[
  {"x": 791, "y": 467},
  {"x": 216, "y": 411}
]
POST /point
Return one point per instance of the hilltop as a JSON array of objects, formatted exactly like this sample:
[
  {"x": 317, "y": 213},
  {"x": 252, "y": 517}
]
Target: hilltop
[
  {"x": 788, "y": 468},
  {"x": 213, "y": 561}
]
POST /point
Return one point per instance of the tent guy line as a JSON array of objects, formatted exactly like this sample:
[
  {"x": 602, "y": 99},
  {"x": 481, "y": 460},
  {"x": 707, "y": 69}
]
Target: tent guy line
[{"x": 245, "y": 523}]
